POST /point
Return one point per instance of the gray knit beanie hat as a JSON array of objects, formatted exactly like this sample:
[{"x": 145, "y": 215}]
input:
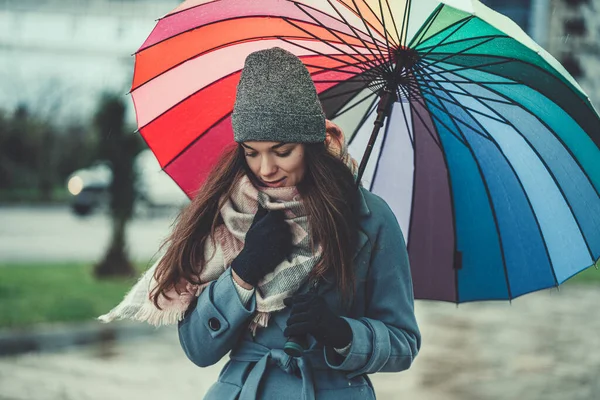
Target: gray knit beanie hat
[{"x": 277, "y": 101}]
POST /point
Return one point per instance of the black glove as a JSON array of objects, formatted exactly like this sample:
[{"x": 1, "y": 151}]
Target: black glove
[
  {"x": 311, "y": 315},
  {"x": 268, "y": 242}
]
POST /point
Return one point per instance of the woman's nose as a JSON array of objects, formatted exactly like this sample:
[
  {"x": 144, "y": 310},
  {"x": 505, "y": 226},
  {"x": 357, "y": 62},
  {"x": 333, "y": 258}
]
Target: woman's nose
[{"x": 267, "y": 166}]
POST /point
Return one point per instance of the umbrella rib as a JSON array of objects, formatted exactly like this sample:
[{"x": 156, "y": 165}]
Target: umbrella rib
[
  {"x": 364, "y": 118},
  {"x": 458, "y": 52},
  {"x": 465, "y": 93},
  {"x": 328, "y": 43},
  {"x": 333, "y": 33},
  {"x": 410, "y": 133},
  {"x": 442, "y": 109},
  {"x": 340, "y": 19},
  {"x": 340, "y": 112},
  {"x": 384, "y": 139},
  {"x": 458, "y": 26},
  {"x": 341, "y": 93},
  {"x": 456, "y": 103},
  {"x": 383, "y": 59},
  {"x": 330, "y": 56},
  {"x": 338, "y": 80},
  {"x": 432, "y": 93},
  {"x": 437, "y": 46},
  {"x": 387, "y": 43},
  {"x": 328, "y": 69},
  {"x": 394, "y": 22},
  {"x": 405, "y": 20},
  {"x": 474, "y": 67},
  {"x": 376, "y": 16},
  {"x": 546, "y": 167},
  {"x": 425, "y": 27},
  {"x": 422, "y": 102}
]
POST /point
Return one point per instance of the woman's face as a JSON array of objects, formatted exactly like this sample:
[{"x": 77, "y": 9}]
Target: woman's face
[{"x": 275, "y": 164}]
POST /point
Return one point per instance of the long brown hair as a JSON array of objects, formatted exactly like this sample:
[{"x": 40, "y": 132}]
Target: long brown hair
[{"x": 329, "y": 196}]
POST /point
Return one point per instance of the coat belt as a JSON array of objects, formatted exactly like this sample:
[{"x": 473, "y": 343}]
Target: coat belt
[{"x": 253, "y": 352}]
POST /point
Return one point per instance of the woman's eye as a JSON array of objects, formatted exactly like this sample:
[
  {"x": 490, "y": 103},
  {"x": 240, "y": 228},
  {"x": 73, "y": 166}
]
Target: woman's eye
[
  {"x": 251, "y": 154},
  {"x": 287, "y": 153}
]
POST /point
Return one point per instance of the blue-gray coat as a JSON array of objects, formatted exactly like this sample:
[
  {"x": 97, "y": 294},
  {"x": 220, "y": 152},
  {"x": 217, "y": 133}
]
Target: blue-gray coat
[{"x": 386, "y": 337}]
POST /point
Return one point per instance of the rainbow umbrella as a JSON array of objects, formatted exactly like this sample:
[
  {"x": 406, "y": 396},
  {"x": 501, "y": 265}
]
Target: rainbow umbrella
[{"x": 488, "y": 152}]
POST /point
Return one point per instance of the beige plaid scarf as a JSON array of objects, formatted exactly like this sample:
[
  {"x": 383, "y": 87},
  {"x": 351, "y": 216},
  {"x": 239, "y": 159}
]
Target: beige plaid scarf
[{"x": 237, "y": 212}]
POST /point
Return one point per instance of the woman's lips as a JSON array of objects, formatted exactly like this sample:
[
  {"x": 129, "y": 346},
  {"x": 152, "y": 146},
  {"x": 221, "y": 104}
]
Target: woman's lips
[{"x": 273, "y": 184}]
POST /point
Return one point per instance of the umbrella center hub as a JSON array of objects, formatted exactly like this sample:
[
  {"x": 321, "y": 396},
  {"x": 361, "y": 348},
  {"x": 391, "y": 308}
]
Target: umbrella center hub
[{"x": 396, "y": 75}]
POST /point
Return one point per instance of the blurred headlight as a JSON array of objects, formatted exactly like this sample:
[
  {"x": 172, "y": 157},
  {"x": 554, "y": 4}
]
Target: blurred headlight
[{"x": 75, "y": 185}]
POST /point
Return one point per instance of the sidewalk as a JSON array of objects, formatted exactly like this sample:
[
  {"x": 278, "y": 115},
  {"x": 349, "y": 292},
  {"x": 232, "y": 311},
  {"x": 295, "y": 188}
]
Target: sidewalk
[{"x": 543, "y": 346}]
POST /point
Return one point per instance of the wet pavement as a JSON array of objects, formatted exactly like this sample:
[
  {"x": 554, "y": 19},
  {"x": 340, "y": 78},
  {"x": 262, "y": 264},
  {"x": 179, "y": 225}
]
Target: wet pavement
[
  {"x": 542, "y": 346},
  {"x": 55, "y": 233}
]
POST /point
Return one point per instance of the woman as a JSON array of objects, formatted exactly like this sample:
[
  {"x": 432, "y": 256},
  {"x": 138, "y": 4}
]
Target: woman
[{"x": 280, "y": 243}]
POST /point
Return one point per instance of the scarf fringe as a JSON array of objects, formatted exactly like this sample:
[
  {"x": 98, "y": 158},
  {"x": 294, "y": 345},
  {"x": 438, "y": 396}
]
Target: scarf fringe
[
  {"x": 260, "y": 320},
  {"x": 146, "y": 313}
]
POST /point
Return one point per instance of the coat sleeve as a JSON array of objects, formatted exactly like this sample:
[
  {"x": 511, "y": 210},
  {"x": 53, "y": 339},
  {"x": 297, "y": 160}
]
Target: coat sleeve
[
  {"x": 214, "y": 325},
  {"x": 387, "y": 338}
]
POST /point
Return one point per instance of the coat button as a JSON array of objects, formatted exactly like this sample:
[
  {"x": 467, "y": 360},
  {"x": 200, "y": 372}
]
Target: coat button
[{"x": 214, "y": 324}]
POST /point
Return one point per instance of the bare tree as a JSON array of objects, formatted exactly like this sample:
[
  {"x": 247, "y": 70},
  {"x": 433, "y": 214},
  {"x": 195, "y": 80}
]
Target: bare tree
[{"x": 119, "y": 148}]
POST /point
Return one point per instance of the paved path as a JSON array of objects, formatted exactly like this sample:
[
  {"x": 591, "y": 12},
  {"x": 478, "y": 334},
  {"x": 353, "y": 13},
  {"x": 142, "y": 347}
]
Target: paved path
[
  {"x": 56, "y": 234},
  {"x": 543, "y": 346}
]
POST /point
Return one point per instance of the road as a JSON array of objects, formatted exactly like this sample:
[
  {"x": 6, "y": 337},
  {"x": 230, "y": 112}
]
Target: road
[
  {"x": 54, "y": 233},
  {"x": 542, "y": 346}
]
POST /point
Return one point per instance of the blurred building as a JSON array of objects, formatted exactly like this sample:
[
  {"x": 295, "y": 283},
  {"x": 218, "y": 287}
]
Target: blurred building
[
  {"x": 58, "y": 56},
  {"x": 573, "y": 40},
  {"x": 567, "y": 29},
  {"x": 531, "y": 15}
]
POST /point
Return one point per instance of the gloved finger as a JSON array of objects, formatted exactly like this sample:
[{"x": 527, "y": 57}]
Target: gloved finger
[
  {"x": 277, "y": 216},
  {"x": 260, "y": 214},
  {"x": 300, "y": 318},
  {"x": 288, "y": 301},
  {"x": 304, "y": 297},
  {"x": 299, "y": 305},
  {"x": 298, "y": 329},
  {"x": 306, "y": 301},
  {"x": 300, "y": 308}
]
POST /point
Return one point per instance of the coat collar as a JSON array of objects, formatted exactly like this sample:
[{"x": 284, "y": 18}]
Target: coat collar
[
  {"x": 363, "y": 208},
  {"x": 363, "y": 211}
]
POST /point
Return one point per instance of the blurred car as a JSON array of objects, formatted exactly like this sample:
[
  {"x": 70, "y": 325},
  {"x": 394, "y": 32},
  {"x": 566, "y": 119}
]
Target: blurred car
[{"x": 155, "y": 190}]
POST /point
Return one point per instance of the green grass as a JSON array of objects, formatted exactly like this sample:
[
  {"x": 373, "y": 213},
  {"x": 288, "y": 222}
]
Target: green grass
[
  {"x": 46, "y": 293},
  {"x": 32, "y": 196},
  {"x": 68, "y": 292}
]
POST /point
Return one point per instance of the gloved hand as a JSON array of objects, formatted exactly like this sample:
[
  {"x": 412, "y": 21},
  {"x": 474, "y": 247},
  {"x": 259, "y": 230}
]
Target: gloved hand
[
  {"x": 268, "y": 242},
  {"x": 311, "y": 315}
]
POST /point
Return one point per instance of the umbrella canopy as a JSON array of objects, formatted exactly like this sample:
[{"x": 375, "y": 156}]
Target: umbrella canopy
[{"x": 490, "y": 151}]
